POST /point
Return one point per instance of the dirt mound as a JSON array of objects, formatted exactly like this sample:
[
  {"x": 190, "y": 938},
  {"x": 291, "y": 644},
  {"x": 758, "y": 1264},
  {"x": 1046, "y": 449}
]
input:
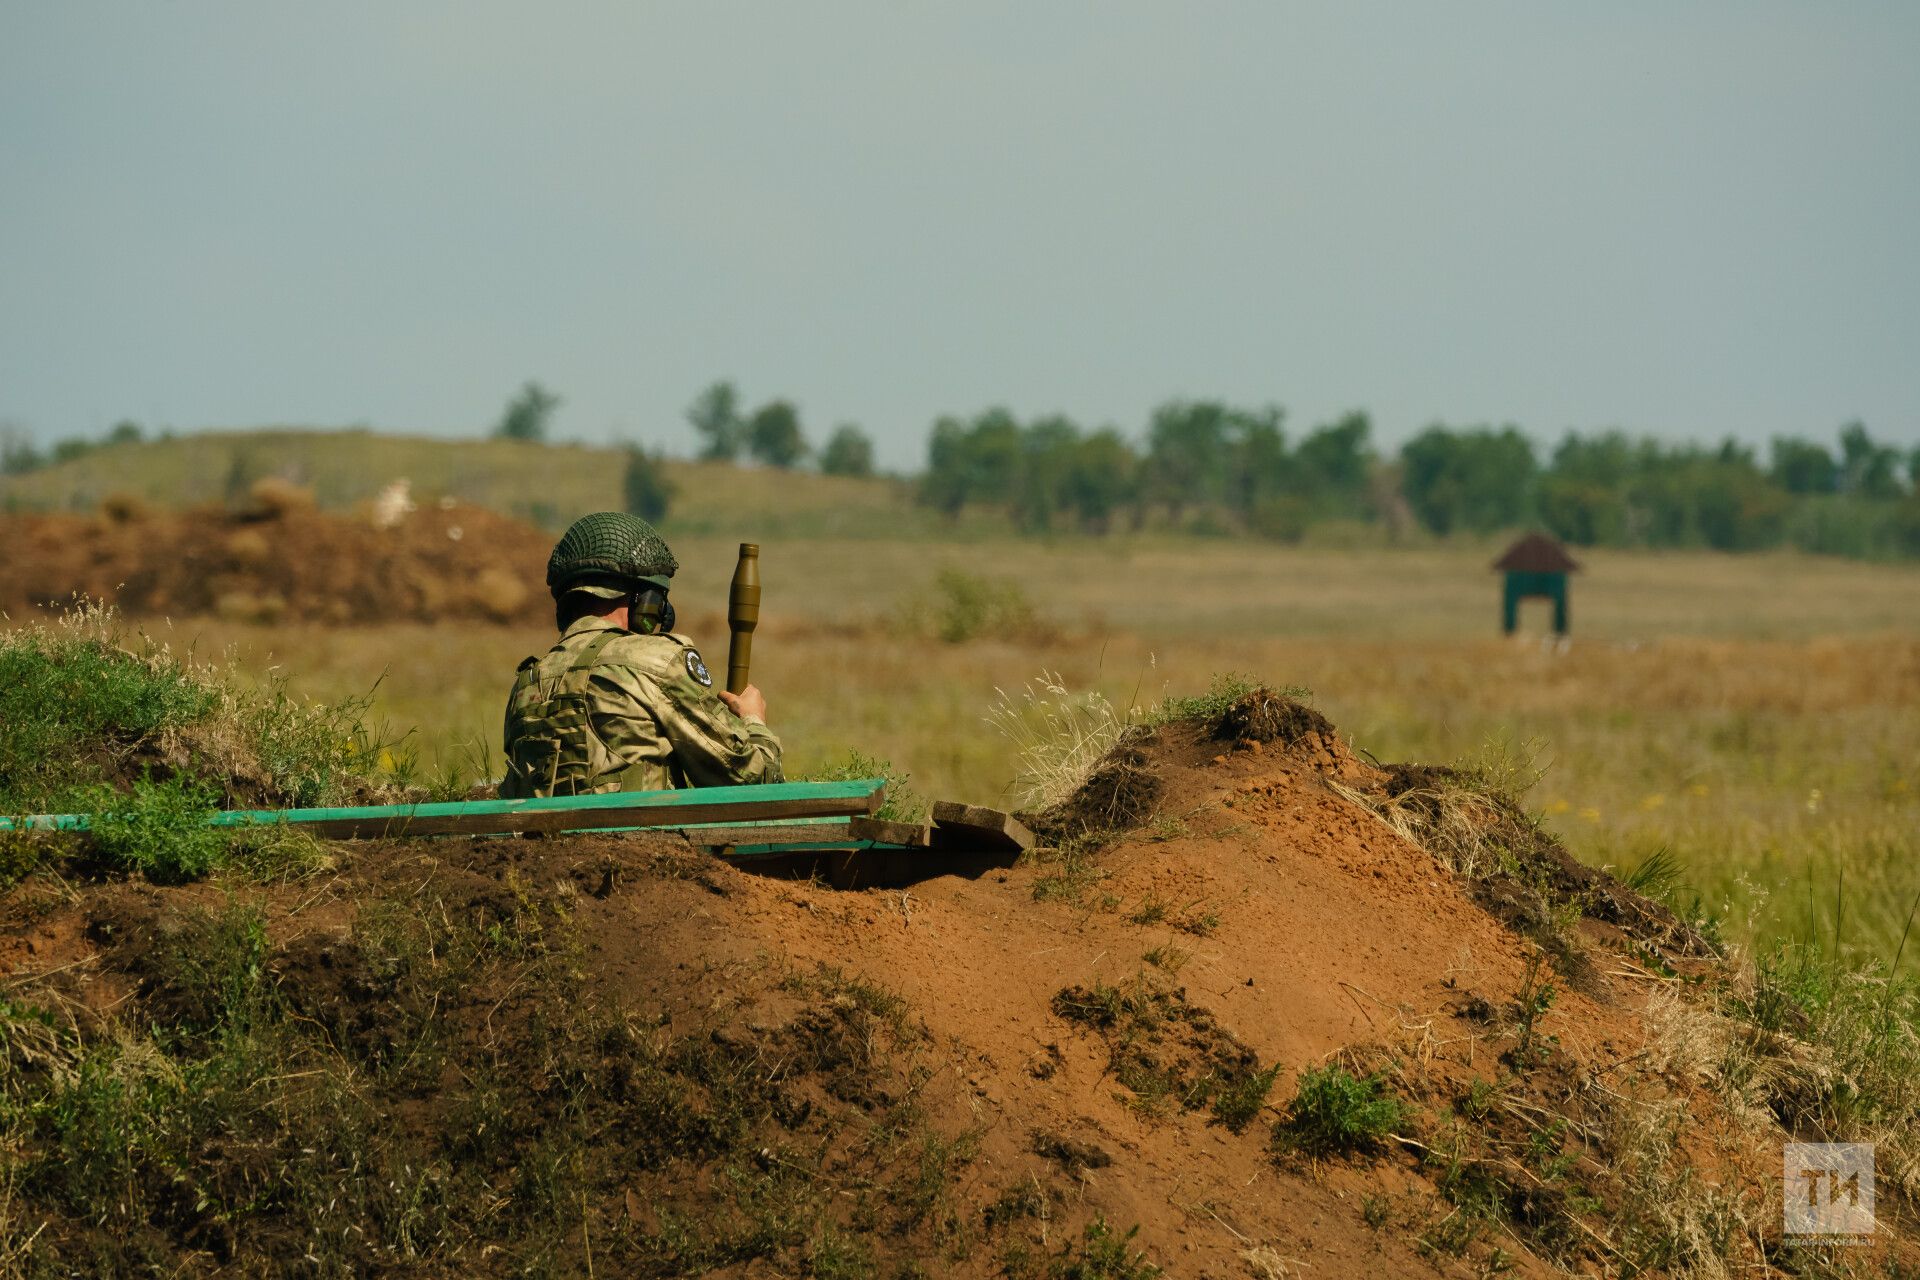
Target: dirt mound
[
  {"x": 279, "y": 559},
  {"x": 1265, "y": 716},
  {"x": 1121, "y": 792},
  {"x": 609, "y": 1054}
]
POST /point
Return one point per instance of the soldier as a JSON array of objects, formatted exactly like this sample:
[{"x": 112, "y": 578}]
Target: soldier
[{"x": 622, "y": 703}]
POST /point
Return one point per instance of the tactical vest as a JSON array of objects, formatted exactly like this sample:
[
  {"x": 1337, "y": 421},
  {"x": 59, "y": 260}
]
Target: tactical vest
[{"x": 552, "y": 754}]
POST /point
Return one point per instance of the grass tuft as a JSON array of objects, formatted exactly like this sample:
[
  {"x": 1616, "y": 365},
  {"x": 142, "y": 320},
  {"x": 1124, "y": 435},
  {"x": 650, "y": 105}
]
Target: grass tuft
[
  {"x": 1167, "y": 1052},
  {"x": 963, "y": 606},
  {"x": 117, "y": 727},
  {"x": 1207, "y": 708},
  {"x": 1236, "y": 1105},
  {"x": 1337, "y": 1113},
  {"x": 71, "y": 691},
  {"x": 160, "y": 830},
  {"x": 1059, "y": 737},
  {"x": 902, "y": 804},
  {"x": 1103, "y": 1254}
]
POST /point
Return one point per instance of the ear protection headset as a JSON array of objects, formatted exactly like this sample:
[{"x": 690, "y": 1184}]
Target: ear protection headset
[{"x": 649, "y": 611}]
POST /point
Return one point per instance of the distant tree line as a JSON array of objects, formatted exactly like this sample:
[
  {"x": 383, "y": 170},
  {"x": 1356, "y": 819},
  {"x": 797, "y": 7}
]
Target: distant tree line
[
  {"x": 19, "y": 455},
  {"x": 1206, "y": 466},
  {"x": 772, "y": 435}
]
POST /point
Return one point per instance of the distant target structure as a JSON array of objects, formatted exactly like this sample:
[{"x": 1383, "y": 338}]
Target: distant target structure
[{"x": 1536, "y": 567}]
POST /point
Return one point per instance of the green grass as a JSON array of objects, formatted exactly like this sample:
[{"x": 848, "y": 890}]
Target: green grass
[
  {"x": 902, "y": 804},
  {"x": 962, "y": 606},
  {"x": 1204, "y": 708},
  {"x": 148, "y": 746},
  {"x": 159, "y": 830},
  {"x": 87, "y": 705},
  {"x": 1335, "y": 1113},
  {"x": 1237, "y": 1104},
  {"x": 1862, "y": 1082},
  {"x": 72, "y": 699},
  {"x": 1102, "y": 1253}
]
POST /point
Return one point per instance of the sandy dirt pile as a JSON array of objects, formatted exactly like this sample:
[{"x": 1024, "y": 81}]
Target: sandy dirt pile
[
  {"x": 276, "y": 558},
  {"x": 734, "y": 1074}
]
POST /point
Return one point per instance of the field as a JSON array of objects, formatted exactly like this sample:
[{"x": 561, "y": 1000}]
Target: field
[
  {"x": 546, "y": 484},
  {"x": 1758, "y": 718},
  {"x": 1256, "y": 996}
]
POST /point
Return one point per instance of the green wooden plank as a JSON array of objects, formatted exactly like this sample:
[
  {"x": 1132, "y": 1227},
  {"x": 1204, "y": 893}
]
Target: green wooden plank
[{"x": 609, "y": 811}]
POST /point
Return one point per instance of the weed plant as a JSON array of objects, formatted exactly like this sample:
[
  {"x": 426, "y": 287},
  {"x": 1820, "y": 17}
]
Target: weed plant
[
  {"x": 159, "y": 829},
  {"x": 1335, "y": 1112},
  {"x": 1103, "y": 1253},
  {"x": 1207, "y": 708},
  {"x": 902, "y": 804}
]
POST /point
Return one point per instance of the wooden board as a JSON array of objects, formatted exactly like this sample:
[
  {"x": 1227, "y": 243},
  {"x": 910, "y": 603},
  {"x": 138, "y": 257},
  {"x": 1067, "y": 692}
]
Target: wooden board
[
  {"x": 965, "y": 826},
  {"x": 806, "y": 831},
  {"x": 909, "y": 835}
]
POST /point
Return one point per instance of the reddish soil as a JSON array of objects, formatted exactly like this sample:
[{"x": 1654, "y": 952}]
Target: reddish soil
[
  {"x": 280, "y": 560},
  {"x": 1300, "y": 929}
]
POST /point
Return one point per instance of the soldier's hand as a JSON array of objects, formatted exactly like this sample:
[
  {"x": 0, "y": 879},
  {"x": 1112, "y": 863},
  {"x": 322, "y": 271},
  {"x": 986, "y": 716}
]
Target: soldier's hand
[{"x": 749, "y": 703}]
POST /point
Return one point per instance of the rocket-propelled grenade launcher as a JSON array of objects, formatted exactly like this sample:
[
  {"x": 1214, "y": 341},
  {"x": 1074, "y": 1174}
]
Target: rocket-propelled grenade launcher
[{"x": 743, "y": 615}]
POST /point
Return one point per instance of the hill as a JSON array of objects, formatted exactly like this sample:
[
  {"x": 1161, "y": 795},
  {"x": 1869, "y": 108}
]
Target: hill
[
  {"x": 545, "y": 484},
  {"x": 1259, "y": 1009}
]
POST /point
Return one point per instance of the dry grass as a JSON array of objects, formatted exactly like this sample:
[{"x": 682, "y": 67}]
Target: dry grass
[
  {"x": 1057, "y": 737},
  {"x": 1759, "y": 717}
]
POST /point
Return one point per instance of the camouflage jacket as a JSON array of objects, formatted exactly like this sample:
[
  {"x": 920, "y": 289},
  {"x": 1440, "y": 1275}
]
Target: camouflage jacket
[{"x": 613, "y": 710}]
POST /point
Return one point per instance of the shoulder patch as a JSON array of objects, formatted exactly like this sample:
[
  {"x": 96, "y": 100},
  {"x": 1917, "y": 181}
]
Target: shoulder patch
[{"x": 697, "y": 668}]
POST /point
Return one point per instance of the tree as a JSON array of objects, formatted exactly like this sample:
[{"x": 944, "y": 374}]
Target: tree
[
  {"x": 848, "y": 452},
  {"x": 18, "y": 454},
  {"x": 1043, "y": 471},
  {"x": 647, "y": 489},
  {"x": 126, "y": 431},
  {"x": 1733, "y": 506},
  {"x": 944, "y": 486},
  {"x": 1477, "y": 478},
  {"x": 528, "y": 414},
  {"x": 970, "y": 461},
  {"x": 1260, "y": 469},
  {"x": 1336, "y": 463},
  {"x": 1187, "y": 454},
  {"x": 1802, "y": 466},
  {"x": 1866, "y": 468},
  {"x": 774, "y": 436},
  {"x": 72, "y": 447},
  {"x": 1102, "y": 479},
  {"x": 715, "y": 415}
]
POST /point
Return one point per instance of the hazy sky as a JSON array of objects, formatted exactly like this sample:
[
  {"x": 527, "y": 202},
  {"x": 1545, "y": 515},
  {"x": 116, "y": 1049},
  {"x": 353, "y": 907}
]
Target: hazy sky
[{"x": 1686, "y": 219}]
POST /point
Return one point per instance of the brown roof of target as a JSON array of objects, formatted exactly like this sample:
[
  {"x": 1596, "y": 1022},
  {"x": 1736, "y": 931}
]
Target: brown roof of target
[{"x": 1536, "y": 553}]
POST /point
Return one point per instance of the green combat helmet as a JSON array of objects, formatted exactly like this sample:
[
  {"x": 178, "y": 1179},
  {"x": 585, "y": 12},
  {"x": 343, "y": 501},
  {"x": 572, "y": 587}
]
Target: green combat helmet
[{"x": 610, "y": 554}]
